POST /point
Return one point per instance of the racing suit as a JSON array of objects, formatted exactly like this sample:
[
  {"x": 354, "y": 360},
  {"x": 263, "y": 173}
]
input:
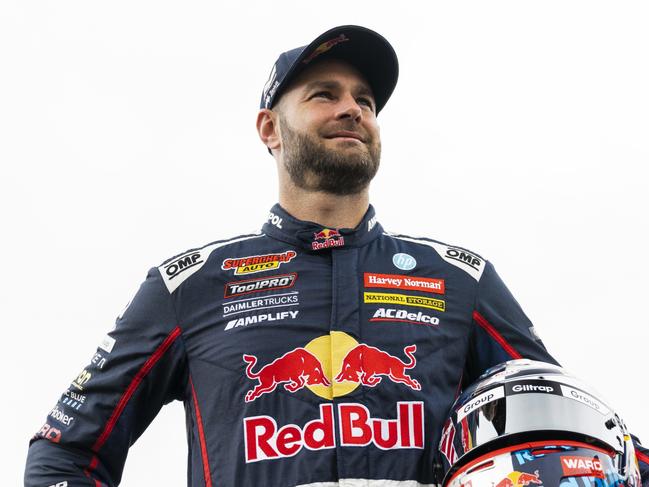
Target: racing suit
[{"x": 304, "y": 356}]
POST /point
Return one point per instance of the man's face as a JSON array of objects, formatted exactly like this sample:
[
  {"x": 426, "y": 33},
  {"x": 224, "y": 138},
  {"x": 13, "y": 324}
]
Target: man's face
[{"x": 329, "y": 136}]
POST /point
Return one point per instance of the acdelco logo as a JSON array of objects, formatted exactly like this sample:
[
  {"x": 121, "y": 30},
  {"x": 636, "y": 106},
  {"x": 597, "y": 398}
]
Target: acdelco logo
[
  {"x": 257, "y": 263},
  {"x": 177, "y": 266},
  {"x": 403, "y": 316}
]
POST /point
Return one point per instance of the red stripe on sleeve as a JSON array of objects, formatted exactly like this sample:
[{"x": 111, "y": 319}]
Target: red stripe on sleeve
[
  {"x": 488, "y": 327},
  {"x": 201, "y": 438},
  {"x": 642, "y": 457},
  {"x": 141, "y": 374}
]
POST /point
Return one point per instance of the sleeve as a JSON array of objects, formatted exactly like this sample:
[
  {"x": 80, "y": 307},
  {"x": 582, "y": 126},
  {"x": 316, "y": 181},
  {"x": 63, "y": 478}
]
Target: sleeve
[
  {"x": 642, "y": 455},
  {"x": 501, "y": 329},
  {"x": 138, "y": 367}
]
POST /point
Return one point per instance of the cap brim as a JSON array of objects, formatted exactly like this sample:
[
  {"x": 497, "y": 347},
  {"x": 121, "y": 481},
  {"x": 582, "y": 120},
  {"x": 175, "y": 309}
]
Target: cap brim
[{"x": 366, "y": 50}]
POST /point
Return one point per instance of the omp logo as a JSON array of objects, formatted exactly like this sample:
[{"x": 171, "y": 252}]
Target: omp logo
[
  {"x": 464, "y": 257},
  {"x": 181, "y": 264},
  {"x": 404, "y": 299},
  {"x": 257, "y": 263},
  {"x": 248, "y": 286}
]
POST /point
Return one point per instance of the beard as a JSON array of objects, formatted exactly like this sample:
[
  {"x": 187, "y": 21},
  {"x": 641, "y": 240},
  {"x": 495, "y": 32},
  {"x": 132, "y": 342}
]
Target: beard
[{"x": 314, "y": 167}]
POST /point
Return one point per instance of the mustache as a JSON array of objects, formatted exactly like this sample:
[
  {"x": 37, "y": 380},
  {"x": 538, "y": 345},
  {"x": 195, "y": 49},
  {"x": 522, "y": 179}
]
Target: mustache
[{"x": 347, "y": 126}]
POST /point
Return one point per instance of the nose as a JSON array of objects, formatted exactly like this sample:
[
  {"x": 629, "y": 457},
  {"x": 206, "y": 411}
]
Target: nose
[{"x": 349, "y": 109}]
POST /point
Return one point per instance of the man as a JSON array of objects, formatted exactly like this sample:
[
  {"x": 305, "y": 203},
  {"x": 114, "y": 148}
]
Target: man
[{"x": 321, "y": 351}]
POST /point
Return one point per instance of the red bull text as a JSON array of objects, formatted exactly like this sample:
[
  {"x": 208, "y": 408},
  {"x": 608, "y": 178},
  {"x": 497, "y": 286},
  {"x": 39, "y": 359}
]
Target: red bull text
[
  {"x": 327, "y": 238},
  {"x": 356, "y": 428}
]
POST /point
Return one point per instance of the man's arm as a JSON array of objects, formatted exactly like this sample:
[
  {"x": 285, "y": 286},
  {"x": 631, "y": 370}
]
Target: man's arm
[
  {"x": 136, "y": 369},
  {"x": 503, "y": 332}
]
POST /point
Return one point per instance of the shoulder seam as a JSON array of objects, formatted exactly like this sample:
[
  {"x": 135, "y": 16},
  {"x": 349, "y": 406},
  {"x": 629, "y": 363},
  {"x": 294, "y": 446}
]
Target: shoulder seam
[
  {"x": 464, "y": 259},
  {"x": 178, "y": 269}
]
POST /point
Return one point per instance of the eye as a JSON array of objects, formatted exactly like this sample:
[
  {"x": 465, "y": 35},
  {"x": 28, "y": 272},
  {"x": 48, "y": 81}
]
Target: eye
[
  {"x": 323, "y": 94},
  {"x": 365, "y": 101}
]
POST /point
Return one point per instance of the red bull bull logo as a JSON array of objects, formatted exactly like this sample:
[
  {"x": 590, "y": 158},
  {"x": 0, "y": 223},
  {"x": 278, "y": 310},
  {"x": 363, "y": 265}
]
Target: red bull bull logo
[
  {"x": 327, "y": 238},
  {"x": 325, "y": 46},
  {"x": 311, "y": 367},
  {"x": 368, "y": 365},
  {"x": 294, "y": 369},
  {"x": 520, "y": 479}
]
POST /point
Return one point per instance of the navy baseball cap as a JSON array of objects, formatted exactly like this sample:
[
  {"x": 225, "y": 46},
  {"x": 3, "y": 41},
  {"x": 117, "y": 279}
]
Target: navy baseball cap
[{"x": 366, "y": 50}]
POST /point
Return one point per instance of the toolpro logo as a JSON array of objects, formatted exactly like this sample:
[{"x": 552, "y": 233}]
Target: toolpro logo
[
  {"x": 327, "y": 238},
  {"x": 332, "y": 366},
  {"x": 410, "y": 283},
  {"x": 257, "y": 263},
  {"x": 259, "y": 284}
]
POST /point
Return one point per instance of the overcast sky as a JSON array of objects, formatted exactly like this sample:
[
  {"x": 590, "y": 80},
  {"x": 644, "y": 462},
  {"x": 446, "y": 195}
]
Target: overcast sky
[{"x": 518, "y": 129}]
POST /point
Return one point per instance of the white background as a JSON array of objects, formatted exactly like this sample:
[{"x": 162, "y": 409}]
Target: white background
[{"x": 518, "y": 129}]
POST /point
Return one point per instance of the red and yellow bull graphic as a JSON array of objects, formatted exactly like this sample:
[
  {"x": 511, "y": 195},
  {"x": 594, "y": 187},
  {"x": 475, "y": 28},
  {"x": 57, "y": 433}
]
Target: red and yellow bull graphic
[
  {"x": 331, "y": 366},
  {"x": 404, "y": 299},
  {"x": 520, "y": 479},
  {"x": 327, "y": 238},
  {"x": 325, "y": 46},
  {"x": 257, "y": 263}
]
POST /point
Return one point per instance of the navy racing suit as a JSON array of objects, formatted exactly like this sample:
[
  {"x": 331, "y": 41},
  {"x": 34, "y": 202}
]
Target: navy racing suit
[{"x": 305, "y": 356}]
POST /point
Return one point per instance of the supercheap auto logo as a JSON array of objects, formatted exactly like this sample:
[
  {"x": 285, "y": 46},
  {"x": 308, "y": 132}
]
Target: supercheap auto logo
[
  {"x": 257, "y": 263},
  {"x": 327, "y": 238},
  {"x": 404, "y": 299},
  {"x": 331, "y": 366}
]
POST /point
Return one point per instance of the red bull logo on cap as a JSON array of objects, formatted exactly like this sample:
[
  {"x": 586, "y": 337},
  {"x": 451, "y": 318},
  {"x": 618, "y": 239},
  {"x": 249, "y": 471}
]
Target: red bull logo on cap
[
  {"x": 327, "y": 238},
  {"x": 324, "y": 47}
]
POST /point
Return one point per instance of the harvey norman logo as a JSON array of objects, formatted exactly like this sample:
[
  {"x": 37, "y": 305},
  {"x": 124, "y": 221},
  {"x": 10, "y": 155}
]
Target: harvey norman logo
[
  {"x": 396, "y": 281},
  {"x": 404, "y": 299},
  {"x": 257, "y": 263}
]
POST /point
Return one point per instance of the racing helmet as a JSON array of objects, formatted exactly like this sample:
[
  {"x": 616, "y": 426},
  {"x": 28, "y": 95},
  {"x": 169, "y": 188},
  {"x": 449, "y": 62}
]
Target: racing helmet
[{"x": 525, "y": 423}]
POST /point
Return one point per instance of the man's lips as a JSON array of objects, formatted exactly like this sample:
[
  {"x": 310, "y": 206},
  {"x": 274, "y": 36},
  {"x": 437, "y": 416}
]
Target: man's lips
[{"x": 346, "y": 134}]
